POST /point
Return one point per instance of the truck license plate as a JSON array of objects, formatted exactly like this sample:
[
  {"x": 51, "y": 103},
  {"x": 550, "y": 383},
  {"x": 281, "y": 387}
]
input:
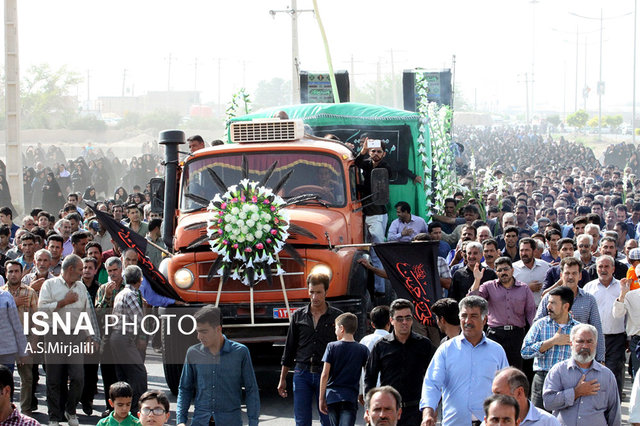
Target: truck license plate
[{"x": 279, "y": 313}]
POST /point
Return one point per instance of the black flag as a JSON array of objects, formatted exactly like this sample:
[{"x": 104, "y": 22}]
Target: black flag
[
  {"x": 412, "y": 270},
  {"x": 126, "y": 238}
]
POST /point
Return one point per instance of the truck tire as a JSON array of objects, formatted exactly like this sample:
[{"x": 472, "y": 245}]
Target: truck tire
[
  {"x": 363, "y": 315},
  {"x": 174, "y": 349}
]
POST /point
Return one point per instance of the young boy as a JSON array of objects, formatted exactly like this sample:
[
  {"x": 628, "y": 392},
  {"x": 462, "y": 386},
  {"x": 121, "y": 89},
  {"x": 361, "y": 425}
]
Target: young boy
[
  {"x": 120, "y": 396},
  {"x": 154, "y": 408},
  {"x": 340, "y": 378}
]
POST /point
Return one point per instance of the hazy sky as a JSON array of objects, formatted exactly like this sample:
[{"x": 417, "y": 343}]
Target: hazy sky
[{"x": 492, "y": 41}]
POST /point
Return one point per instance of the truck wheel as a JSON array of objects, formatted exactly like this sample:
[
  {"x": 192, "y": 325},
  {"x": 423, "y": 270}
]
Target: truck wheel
[
  {"x": 363, "y": 315},
  {"x": 173, "y": 353}
]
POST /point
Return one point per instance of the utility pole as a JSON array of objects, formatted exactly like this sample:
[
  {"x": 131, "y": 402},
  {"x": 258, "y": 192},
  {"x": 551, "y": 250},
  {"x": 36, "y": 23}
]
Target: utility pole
[
  {"x": 219, "y": 86},
  {"x": 394, "y": 88},
  {"x": 195, "y": 75},
  {"x": 600, "y": 85},
  {"x": 169, "y": 74},
  {"x": 635, "y": 38},
  {"x": 12, "y": 104},
  {"x": 124, "y": 78},
  {"x": 88, "y": 88},
  {"x": 295, "y": 56}
]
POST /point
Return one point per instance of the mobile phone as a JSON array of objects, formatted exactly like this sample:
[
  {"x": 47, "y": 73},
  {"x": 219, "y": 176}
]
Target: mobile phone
[{"x": 374, "y": 143}]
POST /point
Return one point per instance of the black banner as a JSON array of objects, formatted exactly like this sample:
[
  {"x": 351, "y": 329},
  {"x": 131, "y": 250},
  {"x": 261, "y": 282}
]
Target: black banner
[
  {"x": 127, "y": 238},
  {"x": 412, "y": 270}
]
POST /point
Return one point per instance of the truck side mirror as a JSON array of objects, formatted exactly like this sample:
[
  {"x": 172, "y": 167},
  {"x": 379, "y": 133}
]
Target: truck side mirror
[
  {"x": 380, "y": 186},
  {"x": 157, "y": 194}
]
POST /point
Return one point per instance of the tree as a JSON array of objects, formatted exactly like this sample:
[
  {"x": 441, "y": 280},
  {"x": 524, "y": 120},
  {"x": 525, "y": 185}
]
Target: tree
[
  {"x": 273, "y": 93},
  {"x": 593, "y": 122},
  {"x": 578, "y": 119},
  {"x": 46, "y": 97},
  {"x": 554, "y": 120},
  {"x": 614, "y": 121}
]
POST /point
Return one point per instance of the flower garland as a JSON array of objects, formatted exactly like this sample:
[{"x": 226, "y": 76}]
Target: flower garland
[
  {"x": 424, "y": 148},
  {"x": 247, "y": 228}
]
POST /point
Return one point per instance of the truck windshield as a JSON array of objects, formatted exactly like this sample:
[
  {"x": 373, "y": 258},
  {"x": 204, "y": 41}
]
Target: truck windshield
[{"x": 313, "y": 173}]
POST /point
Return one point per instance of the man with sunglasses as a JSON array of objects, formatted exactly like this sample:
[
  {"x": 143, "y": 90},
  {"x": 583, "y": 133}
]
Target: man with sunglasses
[{"x": 401, "y": 358}]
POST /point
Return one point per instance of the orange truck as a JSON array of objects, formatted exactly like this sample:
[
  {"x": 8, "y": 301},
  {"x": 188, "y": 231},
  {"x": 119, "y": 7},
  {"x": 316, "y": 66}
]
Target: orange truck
[{"x": 333, "y": 217}]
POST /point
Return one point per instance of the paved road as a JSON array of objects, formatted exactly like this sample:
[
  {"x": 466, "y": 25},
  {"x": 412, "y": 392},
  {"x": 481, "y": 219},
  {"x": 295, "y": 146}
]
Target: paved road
[{"x": 274, "y": 411}]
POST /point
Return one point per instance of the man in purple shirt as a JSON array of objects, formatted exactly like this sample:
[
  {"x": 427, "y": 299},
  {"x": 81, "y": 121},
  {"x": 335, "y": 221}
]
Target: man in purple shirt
[
  {"x": 406, "y": 226},
  {"x": 511, "y": 308}
]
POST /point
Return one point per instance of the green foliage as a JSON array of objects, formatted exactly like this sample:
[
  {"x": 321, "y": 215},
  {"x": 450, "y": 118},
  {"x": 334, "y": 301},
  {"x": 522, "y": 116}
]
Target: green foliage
[
  {"x": 578, "y": 119},
  {"x": 45, "y": 97},
  {"x": 130, "y": 120},
  {"x": 160, "y": 120},
  {"x": 554, "y": 120},
  {"x": 88, "y": 122},
  {"x": 613, "y": 120},
  {"x": 204, "y": 123},
  {"x": 240, "y": 101},
  {"x": 273, "y": 93},
  {"x": 593, "y": 122}
]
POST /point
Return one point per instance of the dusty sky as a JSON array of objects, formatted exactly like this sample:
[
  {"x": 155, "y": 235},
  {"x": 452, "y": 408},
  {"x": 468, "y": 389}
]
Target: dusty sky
[{"x": 492, "y": 41}]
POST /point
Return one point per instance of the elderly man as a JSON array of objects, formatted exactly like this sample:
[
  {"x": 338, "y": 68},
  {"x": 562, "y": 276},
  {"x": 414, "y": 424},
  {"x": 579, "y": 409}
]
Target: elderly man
[
  {"x": 511, "y": 308},
  {"x": 464, "y": 278},
  {"x": 513, "y": 382},
  {"x": 585, "y": 241},
  {"x": 66, "y": 294},
  {"x": 460, "y": 373},
  {"x": 580, "y": 391},
  {"x": 383, "y": 406},
  {"x": 606, "y": 290},
  {"x": 608, "y": 247}
]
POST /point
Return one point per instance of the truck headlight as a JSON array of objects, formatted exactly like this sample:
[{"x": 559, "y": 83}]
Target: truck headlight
[
  {"x": 183, "y": 278},
  {"x": 322, "y": 269}
]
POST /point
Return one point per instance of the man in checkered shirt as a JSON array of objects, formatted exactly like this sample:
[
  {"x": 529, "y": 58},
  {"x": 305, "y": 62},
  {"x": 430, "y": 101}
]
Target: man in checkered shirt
[
  {"x": 128, "y": 341},
  {"x": 548, "y": 339}
]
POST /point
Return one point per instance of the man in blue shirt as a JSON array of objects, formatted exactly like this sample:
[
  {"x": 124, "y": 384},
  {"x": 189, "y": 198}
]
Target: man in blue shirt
[
  {"x": 214, "y": 373},
  {"x": 461, "y": 372}
]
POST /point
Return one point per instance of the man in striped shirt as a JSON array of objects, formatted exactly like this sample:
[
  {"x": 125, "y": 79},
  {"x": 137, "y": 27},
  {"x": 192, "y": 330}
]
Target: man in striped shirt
[{"x": 548, "y": 339}]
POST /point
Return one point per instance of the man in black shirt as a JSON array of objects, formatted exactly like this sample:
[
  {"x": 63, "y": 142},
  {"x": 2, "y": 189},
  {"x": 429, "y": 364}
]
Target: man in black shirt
[
  {"x": 462, "y": 279},
  {"x": 371, "y": 156},
  {"x": 401, "y": 359},
  {"x": 311, "y": 329}
]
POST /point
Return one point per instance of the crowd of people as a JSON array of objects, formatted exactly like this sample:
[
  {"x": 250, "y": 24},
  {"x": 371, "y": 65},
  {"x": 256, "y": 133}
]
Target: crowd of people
[{"x": 537, "y": 276}]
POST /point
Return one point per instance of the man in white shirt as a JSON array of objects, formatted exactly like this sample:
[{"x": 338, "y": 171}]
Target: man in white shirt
[
  {"x": 606, "y": 290},
  {"x": 530, "y": 270},
  {"x": 627, "y": 306},
  {"x": 62, "y": 295}
]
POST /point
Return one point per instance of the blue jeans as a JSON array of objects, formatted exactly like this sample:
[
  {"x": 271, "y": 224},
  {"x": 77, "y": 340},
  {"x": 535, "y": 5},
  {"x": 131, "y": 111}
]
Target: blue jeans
[
  {"x": 343, "y": 413},
  {"x": 376, "y": 226},
  {"x": 306, "y": 390}
]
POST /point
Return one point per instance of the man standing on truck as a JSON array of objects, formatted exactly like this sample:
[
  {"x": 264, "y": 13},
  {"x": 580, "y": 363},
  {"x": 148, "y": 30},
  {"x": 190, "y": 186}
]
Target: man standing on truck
[
  {"x": 371, "y": 156},
  {"x": 311, "y": 329},
  {"x": 195, "y": 143}
]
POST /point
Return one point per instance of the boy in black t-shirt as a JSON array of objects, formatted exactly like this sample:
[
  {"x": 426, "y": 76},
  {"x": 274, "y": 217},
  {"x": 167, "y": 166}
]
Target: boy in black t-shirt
[{"x": 340, "y": 378}]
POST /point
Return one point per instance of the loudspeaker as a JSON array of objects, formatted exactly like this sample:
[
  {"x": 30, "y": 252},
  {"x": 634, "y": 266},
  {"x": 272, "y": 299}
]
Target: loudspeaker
[
  {"x": 316, "y": 87},
  {"x": 439, "y": 84}
]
